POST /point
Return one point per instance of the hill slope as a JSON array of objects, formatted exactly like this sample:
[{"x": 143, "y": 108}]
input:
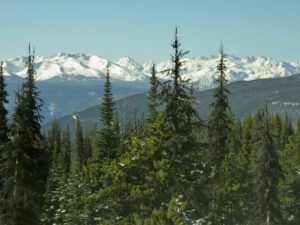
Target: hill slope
[{"x": 282, "y": 95}]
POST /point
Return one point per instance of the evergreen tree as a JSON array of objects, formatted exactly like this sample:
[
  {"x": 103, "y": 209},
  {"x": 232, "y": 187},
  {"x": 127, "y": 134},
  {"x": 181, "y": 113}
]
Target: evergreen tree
[
  {"x": 247, "y": 159},
  {"x": 181, "y": 149},
  {"x": 3, "y": 129},
  {"x": 219, "y": 124},
  {"x": 109, "y": 140},
  {"x": 153, "y": 96},
  {"x": 276, "y": 125},
  {"x": 3, "y": 111},
  {"x": 75, "y": 188},
  {"x": 287, "y": 131},
  {"x": 267, "y": 173},
  {"x": 25, "y": 163},
  {"x": 80, "y": 156},
  {"x": 66, "y": 149},
  {"x": 56, "y": 178},
  {"x": 74, "y": 211},
  {"x": 290, "y": 191}
]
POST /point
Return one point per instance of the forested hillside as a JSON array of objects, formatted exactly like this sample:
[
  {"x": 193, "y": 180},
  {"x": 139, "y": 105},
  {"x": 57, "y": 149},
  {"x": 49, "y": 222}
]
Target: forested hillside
[{"x": 170, "y": 166}]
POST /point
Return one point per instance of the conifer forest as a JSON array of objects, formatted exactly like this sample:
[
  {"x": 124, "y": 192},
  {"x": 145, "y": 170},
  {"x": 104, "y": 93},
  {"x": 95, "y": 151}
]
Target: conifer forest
[{"x": 170, "y": 167}]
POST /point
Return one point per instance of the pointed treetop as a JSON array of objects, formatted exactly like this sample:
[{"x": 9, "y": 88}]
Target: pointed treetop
[
  {"x": 1, "y": 68},
  {"x": 107, "y": 70},
  {"x": 221, "y": 48}
]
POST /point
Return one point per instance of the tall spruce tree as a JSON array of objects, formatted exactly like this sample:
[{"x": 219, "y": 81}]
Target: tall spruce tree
[
  {"x": 289, "y": 187},
  {"x": 66, "y": 149},
  {"x": 219, "y": 124},
  {"x": 74, "y": 211},
  {"x": 80, "y": 156},
  {"x": 181, "y": 149},
  {"x": 219, "y": 121},
  {"x": 25, "y": 161},
  {"x": 153, "y": 98},
  {"x": 55, "y": 179},
  {"x": 267, "y": 173},
  {"x": 3, "y": 111},
  {"x": 3, "y": 132},
  {"x": 109, "y": 140}
]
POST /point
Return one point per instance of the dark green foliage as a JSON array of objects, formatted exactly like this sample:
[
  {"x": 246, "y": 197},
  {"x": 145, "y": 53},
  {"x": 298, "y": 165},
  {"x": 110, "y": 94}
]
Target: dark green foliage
[
  {"x": 290, "y": 186},
  {"x": 153, "y": 98},
  {"x": 167, "y": 169},
  {"x": 219, "y": 125},
  {"x": 80, "y": 156},
  {"x": 287, "y": 130},
  {"x": 181, "y": 152},
  {"x": 267, "y": 173},
  {"x": 57, "y": 178},
  {"x": 3, "y": 130},
  {"x": 3, "y": 111},
  {"x": 109, "y": 139},
  {"x": 74, "y": 191},
  {"x": 66, "y": 149},
  {"x": 25, "y": 163},
  {"x": 219, "y": 121}
]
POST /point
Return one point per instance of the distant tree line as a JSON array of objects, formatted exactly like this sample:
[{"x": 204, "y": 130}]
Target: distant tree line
[{"x": 170, "y": 168}]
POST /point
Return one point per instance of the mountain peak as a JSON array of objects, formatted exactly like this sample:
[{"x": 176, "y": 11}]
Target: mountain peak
[{"x": 201, "y": 70}]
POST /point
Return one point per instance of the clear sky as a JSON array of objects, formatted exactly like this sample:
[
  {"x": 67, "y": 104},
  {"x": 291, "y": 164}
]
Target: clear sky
[{"x": 142, "y": 29}]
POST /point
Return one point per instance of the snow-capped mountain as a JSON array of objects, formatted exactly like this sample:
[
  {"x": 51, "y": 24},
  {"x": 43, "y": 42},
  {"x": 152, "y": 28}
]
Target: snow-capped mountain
[{"x": 201, "y": 71}]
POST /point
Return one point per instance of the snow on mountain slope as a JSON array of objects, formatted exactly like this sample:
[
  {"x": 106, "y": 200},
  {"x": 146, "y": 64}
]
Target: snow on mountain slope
[{"x": 200, "y": 70}]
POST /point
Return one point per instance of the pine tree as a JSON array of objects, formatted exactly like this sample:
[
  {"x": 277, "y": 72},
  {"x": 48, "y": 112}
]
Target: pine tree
[
  {"x": 153, "y": 96},
  {"x": 290, "y": 191},
  {"x": 287, "y": 131},
  {"x": 74, "y": 211},
  {"x": 247, "y": 200},
  {"x": 181, "y": 149},
  {"x": 55, "y": 177},
  {"x": 66, "y": 149},
  {"x": 267, "y": 173},
  {"x": 3, "y": 128},
  {"x": 80, "y": 156},
  {"x": 276, "y": 125},
  {"x": 109, "y": 140},
  {"x": 3, "y": 111},
  {"x": 219, "y": 123},
  {"x": 25, "y": 163}
]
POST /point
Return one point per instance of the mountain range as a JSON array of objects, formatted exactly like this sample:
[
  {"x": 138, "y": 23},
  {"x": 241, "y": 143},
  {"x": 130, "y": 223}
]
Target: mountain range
[
  {"x": 281, "y": 94},
  {"x": 70, "y": 82}
]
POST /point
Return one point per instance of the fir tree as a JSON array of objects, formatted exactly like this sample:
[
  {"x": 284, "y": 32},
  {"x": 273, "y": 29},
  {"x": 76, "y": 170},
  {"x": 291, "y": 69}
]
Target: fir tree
[
  {"x": 290, "y": 191},
  {"x": 3, "y": 111},
  {"x": 75, "y": 183},
  {"x": 109, "y": 140},
  {"x": 3, "y": 128},
  {"x": 25, "y": 167},
  {"x": 153, "y": 96},
  {"x": 267, "y": 173},
  {"x": 66, "y": 149},
  {"x": 287, "y": 131},
  {"x": 219, "y": 124},
  {"x": 180, "y": 123},
  {"x": 276, "y": 125},
  {"x": 80, "y": 156},
  {"x": 55, "y": 177}
]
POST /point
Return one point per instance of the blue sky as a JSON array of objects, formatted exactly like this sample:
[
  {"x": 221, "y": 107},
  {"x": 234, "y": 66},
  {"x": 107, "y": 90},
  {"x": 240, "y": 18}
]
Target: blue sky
[{"x": 143, "y": 29}]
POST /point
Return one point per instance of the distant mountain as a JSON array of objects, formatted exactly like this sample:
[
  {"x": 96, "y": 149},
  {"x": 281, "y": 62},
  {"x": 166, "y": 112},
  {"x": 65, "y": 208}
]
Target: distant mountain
[
  {"x": 281, "y": 94},
  {"x": 200, "y": 70},
  {"x": 74, "y": 81}
]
